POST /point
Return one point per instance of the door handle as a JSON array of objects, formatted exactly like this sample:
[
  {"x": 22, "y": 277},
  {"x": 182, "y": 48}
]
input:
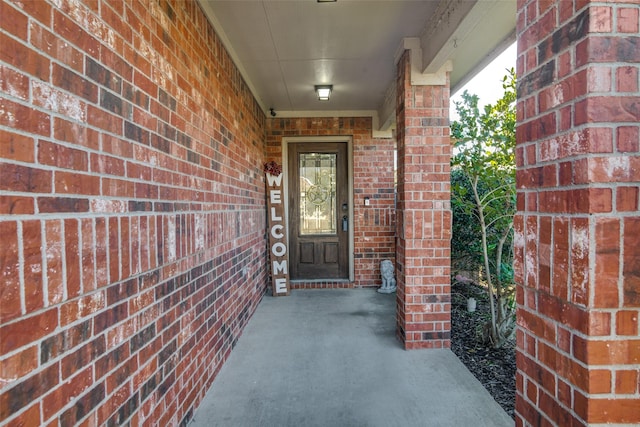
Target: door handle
[{"x": 345, "y": 223}]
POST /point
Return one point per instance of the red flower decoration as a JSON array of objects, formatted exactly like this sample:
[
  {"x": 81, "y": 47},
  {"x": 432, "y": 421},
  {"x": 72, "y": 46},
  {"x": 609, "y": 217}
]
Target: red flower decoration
[{"x": 273, "y": 168}]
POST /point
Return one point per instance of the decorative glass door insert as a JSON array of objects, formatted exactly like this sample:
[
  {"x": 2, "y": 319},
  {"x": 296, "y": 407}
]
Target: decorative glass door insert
[{"x": 317, "y": 172}]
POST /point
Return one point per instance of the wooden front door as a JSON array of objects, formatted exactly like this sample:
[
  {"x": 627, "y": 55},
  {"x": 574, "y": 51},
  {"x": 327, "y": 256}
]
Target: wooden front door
[{"x": 318, "y": 211}]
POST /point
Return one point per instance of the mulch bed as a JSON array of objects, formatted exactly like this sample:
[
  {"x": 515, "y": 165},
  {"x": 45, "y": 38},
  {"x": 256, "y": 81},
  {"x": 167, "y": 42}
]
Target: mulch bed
[{"x": 494, "y": 368}]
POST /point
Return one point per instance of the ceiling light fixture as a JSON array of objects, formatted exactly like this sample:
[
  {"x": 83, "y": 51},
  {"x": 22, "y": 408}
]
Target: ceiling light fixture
[{"x": 323, "y": 91}]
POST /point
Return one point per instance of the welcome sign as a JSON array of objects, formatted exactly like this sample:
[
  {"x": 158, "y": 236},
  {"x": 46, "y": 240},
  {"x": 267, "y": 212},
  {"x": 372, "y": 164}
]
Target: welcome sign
[{"x": 278, "y": 250}]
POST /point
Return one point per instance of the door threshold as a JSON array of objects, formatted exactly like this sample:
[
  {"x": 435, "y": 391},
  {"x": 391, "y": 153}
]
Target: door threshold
[
  {"x": 319, "y": 280},
  {"x": 322, "y": 284}
]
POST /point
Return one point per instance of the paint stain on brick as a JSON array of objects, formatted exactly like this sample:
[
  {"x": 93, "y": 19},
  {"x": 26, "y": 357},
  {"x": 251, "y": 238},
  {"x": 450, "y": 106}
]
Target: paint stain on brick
[
  {"x": 54, "y": 100},
  {"x": 171, "y": 238},
  {"x": 108, "y": 206}
]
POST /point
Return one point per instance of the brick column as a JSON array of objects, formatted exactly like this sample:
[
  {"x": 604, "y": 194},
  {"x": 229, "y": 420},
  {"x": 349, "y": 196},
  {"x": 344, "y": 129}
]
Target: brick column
[
  {"x": 423, "y": 212},
  {"x": 577, "y": 235}
]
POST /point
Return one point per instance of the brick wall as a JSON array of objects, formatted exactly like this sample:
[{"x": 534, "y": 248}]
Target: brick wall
[
  {"x": 131, "y": 211},
  {"x": 424, "y": 212},
  {"x": 373, "y": 177},
  {"x": 577, "y": 244}
]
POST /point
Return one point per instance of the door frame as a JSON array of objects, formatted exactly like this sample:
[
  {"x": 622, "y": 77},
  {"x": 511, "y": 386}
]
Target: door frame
[{"x": 285, "y": 162}]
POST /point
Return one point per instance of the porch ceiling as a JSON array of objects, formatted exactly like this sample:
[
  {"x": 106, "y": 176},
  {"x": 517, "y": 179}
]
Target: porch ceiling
[{"x": 285, "y": 47}]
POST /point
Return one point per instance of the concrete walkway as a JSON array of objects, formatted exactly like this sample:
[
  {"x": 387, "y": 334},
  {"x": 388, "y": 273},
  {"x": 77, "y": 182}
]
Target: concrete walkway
[{"x": 330, "y": 358}]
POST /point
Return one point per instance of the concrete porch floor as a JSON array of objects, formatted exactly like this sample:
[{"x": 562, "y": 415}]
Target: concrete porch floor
[{"x": 330, "y": 358}]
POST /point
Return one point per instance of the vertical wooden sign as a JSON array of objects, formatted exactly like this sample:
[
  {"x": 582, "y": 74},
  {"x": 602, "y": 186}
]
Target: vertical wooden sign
[{"x": 278, "y": 242}]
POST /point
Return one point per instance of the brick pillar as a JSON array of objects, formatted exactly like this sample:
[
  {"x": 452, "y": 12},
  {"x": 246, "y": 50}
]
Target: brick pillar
[
  {"x": 577, "y": 231},
  {"x": 423, "y": 212}
]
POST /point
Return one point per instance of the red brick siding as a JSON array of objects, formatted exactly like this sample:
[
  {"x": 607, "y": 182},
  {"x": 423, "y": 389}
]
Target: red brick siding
[
  {"x": 131, "y": 211},
  {"x": 375, "y": 225},
  {"x": 576, "y": 238},
  {"x": 424, "y": 213},
  {"x": 373, "y": 177}
]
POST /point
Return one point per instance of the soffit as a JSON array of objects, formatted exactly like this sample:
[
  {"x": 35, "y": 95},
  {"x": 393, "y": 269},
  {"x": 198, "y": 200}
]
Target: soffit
[{"x": 285, "y": 47}]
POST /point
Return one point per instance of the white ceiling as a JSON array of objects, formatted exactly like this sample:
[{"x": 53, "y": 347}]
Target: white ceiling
[{"x": 285, "y": 47}]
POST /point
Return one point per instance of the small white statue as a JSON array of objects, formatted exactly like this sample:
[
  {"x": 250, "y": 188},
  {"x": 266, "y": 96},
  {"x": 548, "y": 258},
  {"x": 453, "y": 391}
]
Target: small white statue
[{"x": 388, "y": 281}]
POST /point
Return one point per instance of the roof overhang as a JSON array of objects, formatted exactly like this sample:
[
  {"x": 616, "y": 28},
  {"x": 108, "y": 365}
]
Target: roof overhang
[{"x": 458, "y": 37}]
